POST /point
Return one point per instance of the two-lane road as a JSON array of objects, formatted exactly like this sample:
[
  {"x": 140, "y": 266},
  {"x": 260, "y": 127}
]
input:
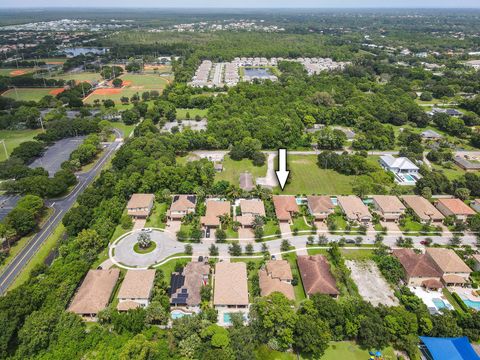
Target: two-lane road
[{"x": 60, "y": 207}]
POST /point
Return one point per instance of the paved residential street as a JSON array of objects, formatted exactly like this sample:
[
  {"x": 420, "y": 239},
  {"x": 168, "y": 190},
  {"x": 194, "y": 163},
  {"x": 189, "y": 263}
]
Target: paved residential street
[
  {"x": 60, "y": 207},
  {"x": 122, "y": 254}
]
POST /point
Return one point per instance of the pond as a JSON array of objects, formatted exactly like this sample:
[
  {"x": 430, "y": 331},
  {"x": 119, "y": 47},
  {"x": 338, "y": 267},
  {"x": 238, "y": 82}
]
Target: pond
[{"x": 257, "y": 72}]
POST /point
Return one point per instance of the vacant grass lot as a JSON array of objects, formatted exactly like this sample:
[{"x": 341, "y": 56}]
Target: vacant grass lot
[
  {"x": 451, "y": 174},
  {"x": 13, "y": 138},
  {"x": 308, "y": 178},
  {"x": 232, "y": 170},
  {"x": 156, "y": 217},
  {"x": 126, "y": 129},
  {"x": 28, "y": 94},
  {"x": 182, "y": 113}
]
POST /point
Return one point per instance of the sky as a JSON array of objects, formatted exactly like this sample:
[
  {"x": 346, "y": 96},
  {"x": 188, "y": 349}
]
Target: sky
[{"x": 245, "y": 3}]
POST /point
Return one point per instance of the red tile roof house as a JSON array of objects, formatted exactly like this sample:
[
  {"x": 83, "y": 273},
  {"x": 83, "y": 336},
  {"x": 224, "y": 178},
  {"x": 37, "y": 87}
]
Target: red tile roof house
[
  {"x": 355, "y": 209},
  {"x": 140, "y": 205},
  {"x": 94, "y": 293},
  {"x": 181, "y": 206},
  {"x": 320, "y": 207},
  {"x": 136, "y": 289},
  {"x": 388, "y": 207},
  {"x": 250, "y": 209},
  {"x": 285, "y": 207},
  {"x": 316, "y": 275},
  {"x": 455, "y": 207},
  {"x": 276, "y": 276},
  {"x": 422, "y": 208},
  {"x": 215, "y": 209},
  {"x": 420, "y": 269}
]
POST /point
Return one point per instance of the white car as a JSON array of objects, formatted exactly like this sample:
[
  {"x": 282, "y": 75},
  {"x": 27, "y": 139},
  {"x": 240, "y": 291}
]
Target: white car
[{"x": 147, "y": 230}]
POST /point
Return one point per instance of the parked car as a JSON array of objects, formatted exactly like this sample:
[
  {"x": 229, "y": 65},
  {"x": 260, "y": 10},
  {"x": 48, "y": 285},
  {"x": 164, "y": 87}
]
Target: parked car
[
  {"x": 350, "y": 241},
  {"x": 146, "y": 230}
]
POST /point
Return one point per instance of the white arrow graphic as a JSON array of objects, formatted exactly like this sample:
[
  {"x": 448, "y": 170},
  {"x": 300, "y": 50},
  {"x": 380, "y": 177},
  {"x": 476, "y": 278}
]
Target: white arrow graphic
[{"x": 282, "y": 172}]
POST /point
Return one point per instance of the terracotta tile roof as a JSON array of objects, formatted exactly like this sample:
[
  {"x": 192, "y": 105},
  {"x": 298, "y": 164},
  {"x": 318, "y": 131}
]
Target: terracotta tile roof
[
  {"x": 231, "y": 286},
  {"x": 456, "y": 206},
  {"x": 95, "y": 291},
  {"x": 389, "y": 204},
  {"x": 270, "y": 285},
  {"x": 432, "y": 284},
  {"x": 416, "y": 265},
  {"x": 354, "y": 207},
  {"x": 320, "y": 204},
  {"x": 183, "y": 202},
  {"x": 447, "y": 260},
  {"x": 284, "y": 206},
  {"x": 140, "y": 201},
  {"x": 252, "y": 206},
  {"x": 245, "y": 220},
  {"x": 316, "y": 275},
  {"x": 138, "y": 284},
  {"x": 453, "y": 279},
  {"x": 195, "y": 275},
  {"x": 279, "y": 269},
  {"x": 215, "y": 209},
  {"x": 127, "y": 305},
  {"x": 422, "y": 207}
]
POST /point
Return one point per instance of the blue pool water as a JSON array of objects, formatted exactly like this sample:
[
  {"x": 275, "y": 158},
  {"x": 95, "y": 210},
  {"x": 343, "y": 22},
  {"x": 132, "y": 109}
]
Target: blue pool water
[
  {"x": 439, "y": 304},
  {"x": 334, "y": 201},
  {"x": 408, "y": 177},
  {"x": 227, "y": 319},
  {"x": 177, "y": 314},
  {"x": 472, "y": 304},
  {"x": 299, "y": 201}
]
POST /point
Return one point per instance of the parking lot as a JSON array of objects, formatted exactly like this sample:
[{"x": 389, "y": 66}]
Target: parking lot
[
  {"x": 56, "y": 154},
  {"x": 7, "y": 203},
  {"x": 371, "y": 284}
]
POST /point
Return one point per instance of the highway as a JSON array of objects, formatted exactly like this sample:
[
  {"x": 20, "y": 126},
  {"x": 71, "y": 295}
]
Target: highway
[{"x": 60, "y": 207}]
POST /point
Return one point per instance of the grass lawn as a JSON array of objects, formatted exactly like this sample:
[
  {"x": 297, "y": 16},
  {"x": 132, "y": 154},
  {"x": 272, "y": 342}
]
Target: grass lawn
[
  {"x": 451, "y": 174},
  {"x": 358, "y": 255},
  {"x": 182, "y": 113},
  {"x": 128, "y": 92},
  {"x": 351, "y": 351},
  {"x": 145, "y": 81},
  {"x": 40, "y": 256},
  {"x": 169, "y": 267},
  {"x": 308, "y": 178},
  {"x": 53, "y": 60},
  {"x": 297, "y": 289},
  {"x": 270, "y": 228},
  {"x": 299, "y": 224},
  {"x": 13, "y": 138},
  {"x": 414, "y": 228},
  {"x": 232, "y": 169},
  {"x": 126, "y": 129},
  {"x": 80, "y": 77},
  {"x": 231, "y": 234},
  {"x": 156, "y": 217},
  {"x": 14, "y": 71},
  {"x": 28, "y": 94},
  {"x": 451, "y": 300},
  {"x": 147, "y": 250}
]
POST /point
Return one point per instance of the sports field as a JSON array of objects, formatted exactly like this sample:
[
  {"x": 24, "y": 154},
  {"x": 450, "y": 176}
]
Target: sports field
[
  {"x": 308, "y": 178},
  {"x": 15, "y": 72},
  {"x": 53, "y": 61},
  {"x": 79, "y": 77},
  {"x": 30, "y": 94},
  {"x": 145, "y": 81},
  {"x": 112, "y": 94},
  {"x": 13, "y": 138}
]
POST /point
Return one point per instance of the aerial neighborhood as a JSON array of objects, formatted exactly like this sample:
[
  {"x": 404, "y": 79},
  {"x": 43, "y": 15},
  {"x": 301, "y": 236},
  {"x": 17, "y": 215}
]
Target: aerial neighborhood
[{"x": 240, "y": 184}]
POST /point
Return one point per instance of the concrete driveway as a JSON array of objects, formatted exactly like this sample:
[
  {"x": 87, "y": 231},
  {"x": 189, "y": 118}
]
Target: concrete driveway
[
  {"x": 173, "y": 226},
  {"x": 139, "y": 224}
]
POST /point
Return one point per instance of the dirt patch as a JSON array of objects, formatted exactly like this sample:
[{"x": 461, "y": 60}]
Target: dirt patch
[
  {"x": 107, "y": 91},
  {"x": 127, "y": 83},
  {"x": 153, "y": 67},
  {"x": 372, "y": 287},
  {"x": 56, "y": 91},
  {"x": 17, "y": 72},
  {"x": 54, "y": 62}
]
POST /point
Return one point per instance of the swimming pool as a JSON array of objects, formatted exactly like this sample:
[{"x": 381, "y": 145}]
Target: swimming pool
[
  {"x": 409, "y": 178},
  {"x": 227, "y": 319},
  {"x": 439, "y": 304},
  {"x": 300, "y": 201},
  {"x": 177, "y": 314},
  {"x": 472, "y": 304}
]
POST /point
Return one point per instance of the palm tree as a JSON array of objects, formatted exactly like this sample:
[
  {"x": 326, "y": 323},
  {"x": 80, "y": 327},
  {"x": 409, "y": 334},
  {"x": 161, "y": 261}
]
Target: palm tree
[{"x": 257, "y": 222}]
